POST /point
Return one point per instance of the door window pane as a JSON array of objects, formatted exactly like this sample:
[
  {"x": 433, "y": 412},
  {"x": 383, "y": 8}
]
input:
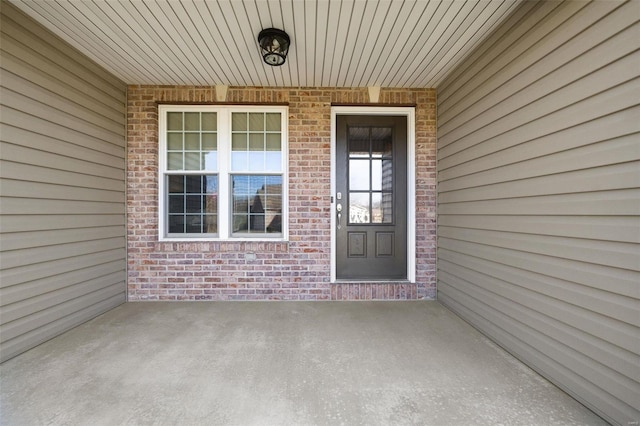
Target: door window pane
[
  {"x": 359, "y": 175},
  {"x": 387, "y": 175},
  {"x": 381, "y": 207},
  {"x": 376, "y": 175},
  {"x": 382, "y": 175},
  {"x": 381, "y": 138},
  {"x": 359, "y": 208},
  {"x": 387, "y": 207},
  {"x": 370, "y": 174},
  {"x": 358, "y": 141},
  {"x": 376, "y": 207}
]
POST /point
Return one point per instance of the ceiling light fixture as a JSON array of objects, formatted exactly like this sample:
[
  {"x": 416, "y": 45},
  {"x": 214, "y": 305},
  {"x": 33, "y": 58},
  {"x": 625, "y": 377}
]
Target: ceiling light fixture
[{"x": 274, "y": 45}]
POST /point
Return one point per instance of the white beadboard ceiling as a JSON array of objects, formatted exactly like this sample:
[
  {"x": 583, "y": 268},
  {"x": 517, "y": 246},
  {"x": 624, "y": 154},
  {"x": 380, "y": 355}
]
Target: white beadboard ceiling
[{"x": 334, "y": 43}]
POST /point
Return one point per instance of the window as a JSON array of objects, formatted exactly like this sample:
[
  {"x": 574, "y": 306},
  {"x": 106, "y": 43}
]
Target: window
[{"x": 222, "y": 172}]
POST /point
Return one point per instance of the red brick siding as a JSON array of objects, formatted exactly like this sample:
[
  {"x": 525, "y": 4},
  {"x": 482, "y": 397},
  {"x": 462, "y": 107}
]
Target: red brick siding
[{"x": 295, "y": 270}]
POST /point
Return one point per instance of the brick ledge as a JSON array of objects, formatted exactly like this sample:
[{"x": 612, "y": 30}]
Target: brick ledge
[{"x": 374, "y": 290}]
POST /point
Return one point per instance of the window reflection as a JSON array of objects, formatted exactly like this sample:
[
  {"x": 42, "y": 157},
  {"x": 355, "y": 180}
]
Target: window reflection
[
  {"x": 257, "y": 204},
  {"x": 256, "y": 142},
  {"x": 370, "y": 174},
  {"x": 359, "y": 208},
  {"x": 193, "y": 204}
]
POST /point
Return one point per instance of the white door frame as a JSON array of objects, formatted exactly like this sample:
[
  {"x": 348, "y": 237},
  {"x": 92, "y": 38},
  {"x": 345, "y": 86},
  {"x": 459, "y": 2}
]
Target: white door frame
[{"x": 408, "y": 112}]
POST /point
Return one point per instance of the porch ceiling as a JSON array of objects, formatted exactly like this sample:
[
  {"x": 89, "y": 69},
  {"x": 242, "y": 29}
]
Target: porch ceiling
[{"x": 339, "y": 43}]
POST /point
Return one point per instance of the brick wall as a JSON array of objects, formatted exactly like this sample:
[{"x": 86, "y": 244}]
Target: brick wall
[{"x": 295, "y": 270}]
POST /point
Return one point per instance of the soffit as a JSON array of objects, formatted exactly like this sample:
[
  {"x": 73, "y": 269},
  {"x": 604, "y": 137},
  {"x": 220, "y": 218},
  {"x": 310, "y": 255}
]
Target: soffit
[{"x": 334, "y": 43}]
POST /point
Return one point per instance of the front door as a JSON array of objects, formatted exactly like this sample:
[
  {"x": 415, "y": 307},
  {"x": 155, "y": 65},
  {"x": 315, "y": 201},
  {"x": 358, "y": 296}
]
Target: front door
[{"x": 371, "y": 197}]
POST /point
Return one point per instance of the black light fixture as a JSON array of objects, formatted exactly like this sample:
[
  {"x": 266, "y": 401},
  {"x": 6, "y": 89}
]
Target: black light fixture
[{"x": 274, "y": 45}]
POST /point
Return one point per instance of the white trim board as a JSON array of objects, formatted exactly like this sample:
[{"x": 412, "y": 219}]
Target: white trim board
[{"x": 408, "y": 112}]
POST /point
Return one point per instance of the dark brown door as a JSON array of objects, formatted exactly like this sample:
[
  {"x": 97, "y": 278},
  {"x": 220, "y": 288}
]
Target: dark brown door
[{"x": 371, "y": 197}]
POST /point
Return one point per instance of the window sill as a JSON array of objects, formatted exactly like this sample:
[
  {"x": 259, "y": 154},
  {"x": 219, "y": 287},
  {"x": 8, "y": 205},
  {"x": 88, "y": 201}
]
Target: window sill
[{"x": 234, "y": 239}]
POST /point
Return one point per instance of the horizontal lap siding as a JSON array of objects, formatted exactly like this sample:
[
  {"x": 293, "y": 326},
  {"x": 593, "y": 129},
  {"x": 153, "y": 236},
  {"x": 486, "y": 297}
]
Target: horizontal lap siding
[
  {"x": 539, "y": 199},
  {"x": 62, "y": 171}
]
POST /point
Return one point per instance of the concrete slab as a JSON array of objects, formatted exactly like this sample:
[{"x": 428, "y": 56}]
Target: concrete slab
[{"x": 279, "y": 363}]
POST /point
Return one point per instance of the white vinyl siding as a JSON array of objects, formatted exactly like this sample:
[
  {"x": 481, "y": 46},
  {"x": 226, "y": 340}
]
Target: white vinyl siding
[
  {"x": 539, "y": 196},
  {"x": 62, "y": 186}
]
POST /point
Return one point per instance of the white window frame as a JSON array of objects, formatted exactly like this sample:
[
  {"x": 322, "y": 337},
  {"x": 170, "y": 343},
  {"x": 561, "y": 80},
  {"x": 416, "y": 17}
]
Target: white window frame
[{"x": 224, "y": 171}]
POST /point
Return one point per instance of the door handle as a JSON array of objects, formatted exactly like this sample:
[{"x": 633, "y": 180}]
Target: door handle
[{"x": 339, "y": 210}]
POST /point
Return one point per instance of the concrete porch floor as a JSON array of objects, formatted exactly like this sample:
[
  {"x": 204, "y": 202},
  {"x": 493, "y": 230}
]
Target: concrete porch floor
[{"x": 278, "y": 363}]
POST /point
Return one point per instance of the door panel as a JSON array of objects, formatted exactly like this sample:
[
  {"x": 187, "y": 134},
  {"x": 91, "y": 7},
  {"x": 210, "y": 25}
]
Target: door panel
[{"x": 371, "y": 197}]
